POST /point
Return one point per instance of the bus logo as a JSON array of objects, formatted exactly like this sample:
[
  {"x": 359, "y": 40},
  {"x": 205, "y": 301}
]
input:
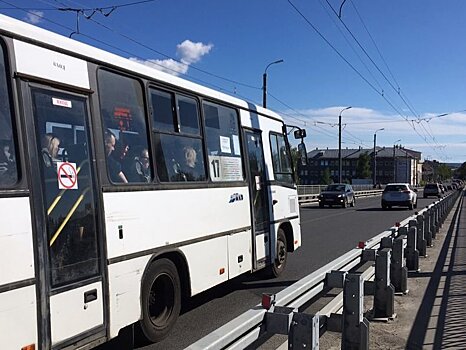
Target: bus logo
[{"x": 236, "y": 197}]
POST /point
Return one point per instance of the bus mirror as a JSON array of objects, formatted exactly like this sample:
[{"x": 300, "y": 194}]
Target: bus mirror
[
  {"x": 302, "y": 153},
  {"x": 300, "y": 134}
]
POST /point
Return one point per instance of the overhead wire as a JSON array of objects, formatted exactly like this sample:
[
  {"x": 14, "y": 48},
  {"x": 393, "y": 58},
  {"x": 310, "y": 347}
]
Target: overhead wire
[{"x": 354, "y": 68}]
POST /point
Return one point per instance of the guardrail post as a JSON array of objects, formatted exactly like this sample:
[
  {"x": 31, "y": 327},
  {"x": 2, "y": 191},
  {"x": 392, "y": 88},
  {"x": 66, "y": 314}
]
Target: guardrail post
[
  {"x": 433, "y": 230},
  {"x": 421, "y": 243},
  {"x": 304, "y": 332},
  {"x": 355, "y": 333},
  {"x": 427, "y": 228},
  {"x": 412, "y": 254},
  {"x": 384, "y": 298},
  {"x": 398, "y": 269}
]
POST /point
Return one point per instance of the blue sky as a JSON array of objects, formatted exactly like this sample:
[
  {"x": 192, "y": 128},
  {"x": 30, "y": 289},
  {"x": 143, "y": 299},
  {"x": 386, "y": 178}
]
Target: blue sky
[{"x": 406, "y": 68}]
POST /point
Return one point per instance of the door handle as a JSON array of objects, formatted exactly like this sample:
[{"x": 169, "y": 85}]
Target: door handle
[{"x": 90, "y": 295}]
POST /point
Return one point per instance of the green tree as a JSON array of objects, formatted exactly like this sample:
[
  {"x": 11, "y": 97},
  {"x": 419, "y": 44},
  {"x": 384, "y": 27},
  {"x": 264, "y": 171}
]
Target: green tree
[
  {"x": 363, "y": 168},
  {"x": 443, "y": 172},
  {"x": 326, "y": 180},
  {"x": 461, "y": 171}
]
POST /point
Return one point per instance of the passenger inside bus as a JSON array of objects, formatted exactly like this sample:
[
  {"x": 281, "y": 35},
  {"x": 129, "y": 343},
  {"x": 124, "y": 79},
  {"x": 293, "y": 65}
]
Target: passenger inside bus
[
  {"x": 139, "y": 171},
  {"x": 114, "y": 167},
  {"x": 7, "y": 164},
  {"x": 50, "y": 146},
  {"x": 191, "y": 171}
]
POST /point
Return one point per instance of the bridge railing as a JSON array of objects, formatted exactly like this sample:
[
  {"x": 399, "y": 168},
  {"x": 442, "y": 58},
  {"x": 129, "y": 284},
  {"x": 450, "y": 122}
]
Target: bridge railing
[
  {"x": 377, "y": 268},
  {"x": 309, "y": 193}
]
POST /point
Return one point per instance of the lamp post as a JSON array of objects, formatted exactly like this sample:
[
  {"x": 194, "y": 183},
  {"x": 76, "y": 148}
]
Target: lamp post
[
  {"x": 339, "y": 145},
  {"x": 375, "y": 156},
  {"x": 264, "y": 83},
  {"x": 394, "y": 163}
]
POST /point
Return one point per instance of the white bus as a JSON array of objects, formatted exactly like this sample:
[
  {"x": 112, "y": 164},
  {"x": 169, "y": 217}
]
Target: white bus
[{"x": 124, "y": 191}]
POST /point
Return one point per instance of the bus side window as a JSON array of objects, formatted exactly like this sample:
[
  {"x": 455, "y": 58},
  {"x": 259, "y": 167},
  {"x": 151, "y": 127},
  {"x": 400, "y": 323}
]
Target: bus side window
[
  {"x": 178, "y": 139},
  {"x": 8, "y": 165},
  {"x": 123, "y": 112}
]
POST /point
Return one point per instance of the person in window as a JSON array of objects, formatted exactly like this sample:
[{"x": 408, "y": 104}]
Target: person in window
[
  {"x": 140, "y": 169},
  {"x": 191, "y": 170},
  {"x": 7, "y": 164},
  {"x": 114, "y": 167},
  {"x": 50, "y": 146}
]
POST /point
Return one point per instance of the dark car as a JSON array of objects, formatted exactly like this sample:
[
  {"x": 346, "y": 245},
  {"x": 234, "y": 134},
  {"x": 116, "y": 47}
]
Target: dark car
[
  {"x": 432, "y": 189},
  {"x": 337, "y": 194}
]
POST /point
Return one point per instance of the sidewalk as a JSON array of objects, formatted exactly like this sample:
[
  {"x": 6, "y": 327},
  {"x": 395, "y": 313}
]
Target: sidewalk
[{"x": 433, "y": 313}]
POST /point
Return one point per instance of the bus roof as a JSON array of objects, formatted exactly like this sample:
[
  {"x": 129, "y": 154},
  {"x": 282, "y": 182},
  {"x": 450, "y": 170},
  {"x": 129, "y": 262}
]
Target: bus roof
[{"x": 27, "y": 32}]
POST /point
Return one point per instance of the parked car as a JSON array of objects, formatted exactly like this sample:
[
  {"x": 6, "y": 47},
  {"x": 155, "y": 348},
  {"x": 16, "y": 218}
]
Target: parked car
[
  {"x": 337, "y": 194},
  {"x": 432, "y": 189},
  {"x": 399, "y": 194}
]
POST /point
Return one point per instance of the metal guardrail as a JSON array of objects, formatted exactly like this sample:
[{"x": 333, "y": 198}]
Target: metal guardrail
[
  {"x": 313, "y": 198},
  {"x": 394, "y": 252}
]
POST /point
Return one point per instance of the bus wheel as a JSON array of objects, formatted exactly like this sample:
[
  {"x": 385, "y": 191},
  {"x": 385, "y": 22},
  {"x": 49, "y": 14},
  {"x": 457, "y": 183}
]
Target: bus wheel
[
  {"x": 281, "y": 255},
  {"x": 161, "y": 299}
]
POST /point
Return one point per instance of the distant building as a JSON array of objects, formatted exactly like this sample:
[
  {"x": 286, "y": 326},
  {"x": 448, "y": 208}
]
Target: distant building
[{"x": 394, "y": 164}]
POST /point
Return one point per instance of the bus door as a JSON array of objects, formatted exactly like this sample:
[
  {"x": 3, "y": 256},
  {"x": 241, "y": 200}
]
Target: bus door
[
  {"x": 259, "y": 199},
  {"x": 65, "y": 214}
]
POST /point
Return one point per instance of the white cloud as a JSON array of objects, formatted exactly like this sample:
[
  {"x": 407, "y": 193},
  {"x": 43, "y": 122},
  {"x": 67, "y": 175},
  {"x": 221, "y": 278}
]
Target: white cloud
[
  {"x": 192, "y": 52},
  {"x": 34, "y": 17},
  {"x": 359, "y": 125},
  {"x": 189, "y": 53}
]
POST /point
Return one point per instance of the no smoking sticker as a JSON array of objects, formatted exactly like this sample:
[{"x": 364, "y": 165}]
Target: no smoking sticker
[{"x": 67, "y": 176}]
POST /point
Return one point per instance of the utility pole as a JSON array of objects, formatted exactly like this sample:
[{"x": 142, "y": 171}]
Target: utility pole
[
  {"x": 264, "y": 83},
  {"x": 375, "y": 156},
  {"x": 340, "y": 180},
  {"x": 394, "y": 160}
]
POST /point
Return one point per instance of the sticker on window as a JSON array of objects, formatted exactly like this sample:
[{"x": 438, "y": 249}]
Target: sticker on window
[
  {"x": 225, "y": 144},
  {"x": 61, "y": 103},
  {"x": 67, "y": 176}
]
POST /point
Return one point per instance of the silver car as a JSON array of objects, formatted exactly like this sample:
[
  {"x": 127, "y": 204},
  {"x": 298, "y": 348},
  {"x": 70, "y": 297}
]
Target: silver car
[{"x": 399, "y": 194}]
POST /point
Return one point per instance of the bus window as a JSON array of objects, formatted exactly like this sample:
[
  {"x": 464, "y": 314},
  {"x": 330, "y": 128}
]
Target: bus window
[
  {"x": 223, "y": 145},
  {"x": 125, "y": 127},
  {"x": 281, "y": 159},
  {"x": 8, "y": 165},
  {"x": 66, "y": 185},
  {"x": 179, "y": 150}
]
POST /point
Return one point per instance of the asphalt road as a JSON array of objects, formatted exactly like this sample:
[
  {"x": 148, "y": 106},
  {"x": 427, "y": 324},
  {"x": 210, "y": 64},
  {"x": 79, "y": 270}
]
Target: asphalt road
[{"x": 326, "y": 234}]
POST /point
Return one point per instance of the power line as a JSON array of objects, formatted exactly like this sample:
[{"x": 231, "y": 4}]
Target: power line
[
  {"x": 353, "y": 68},
  {"x": 81, "y": 11}
]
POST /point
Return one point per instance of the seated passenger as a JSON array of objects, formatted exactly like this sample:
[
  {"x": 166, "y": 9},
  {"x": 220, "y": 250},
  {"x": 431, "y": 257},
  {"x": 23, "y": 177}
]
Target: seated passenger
[
  {"x": 50, "y": 146},
  {"x": 114, "y": 167},
  {"x": 191, "y": 171},
  {"x": 8, "y": 174},
  {"x": 140, "y": 169}
]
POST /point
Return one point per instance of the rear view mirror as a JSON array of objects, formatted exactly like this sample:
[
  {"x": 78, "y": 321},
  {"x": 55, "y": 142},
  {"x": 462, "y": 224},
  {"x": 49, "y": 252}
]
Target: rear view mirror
[
  {"x": 302, "y": 153},
  {"x": 300, "y": 134}
]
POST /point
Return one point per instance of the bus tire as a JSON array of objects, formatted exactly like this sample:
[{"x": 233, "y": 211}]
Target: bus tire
[
  {"x": 279, "y": 263},
  {"x": 160, "y": 299}
]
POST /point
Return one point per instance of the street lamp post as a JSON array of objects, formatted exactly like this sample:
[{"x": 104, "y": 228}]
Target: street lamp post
[
  {"x": 375, "y": 156},
  {"x": 264, "y": 83},
  {"x": 339, "y": 145},
  {"x": 394, "y": 161}
]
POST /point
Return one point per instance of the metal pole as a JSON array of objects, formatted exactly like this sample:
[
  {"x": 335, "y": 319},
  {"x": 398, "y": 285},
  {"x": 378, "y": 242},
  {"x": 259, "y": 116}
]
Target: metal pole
[
  {"x": 340, "y": 179},
  {"x": 339, "y": 150},
  {"x": 375, "y": 156},
  {"x": 375, "y": 161},
  {"x": 394, "y": 166},
  {"x": 264, "y": 90},
  {"x": 264, "y": 83}
]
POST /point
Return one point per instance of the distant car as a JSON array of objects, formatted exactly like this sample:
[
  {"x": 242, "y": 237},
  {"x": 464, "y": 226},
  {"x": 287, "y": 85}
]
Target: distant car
[
  {"x": 337, "y": 194},
  {"x": 399, "y": 194},
  {"x": 432, "y": 189},
  {"x": 442, "y": 188}
]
